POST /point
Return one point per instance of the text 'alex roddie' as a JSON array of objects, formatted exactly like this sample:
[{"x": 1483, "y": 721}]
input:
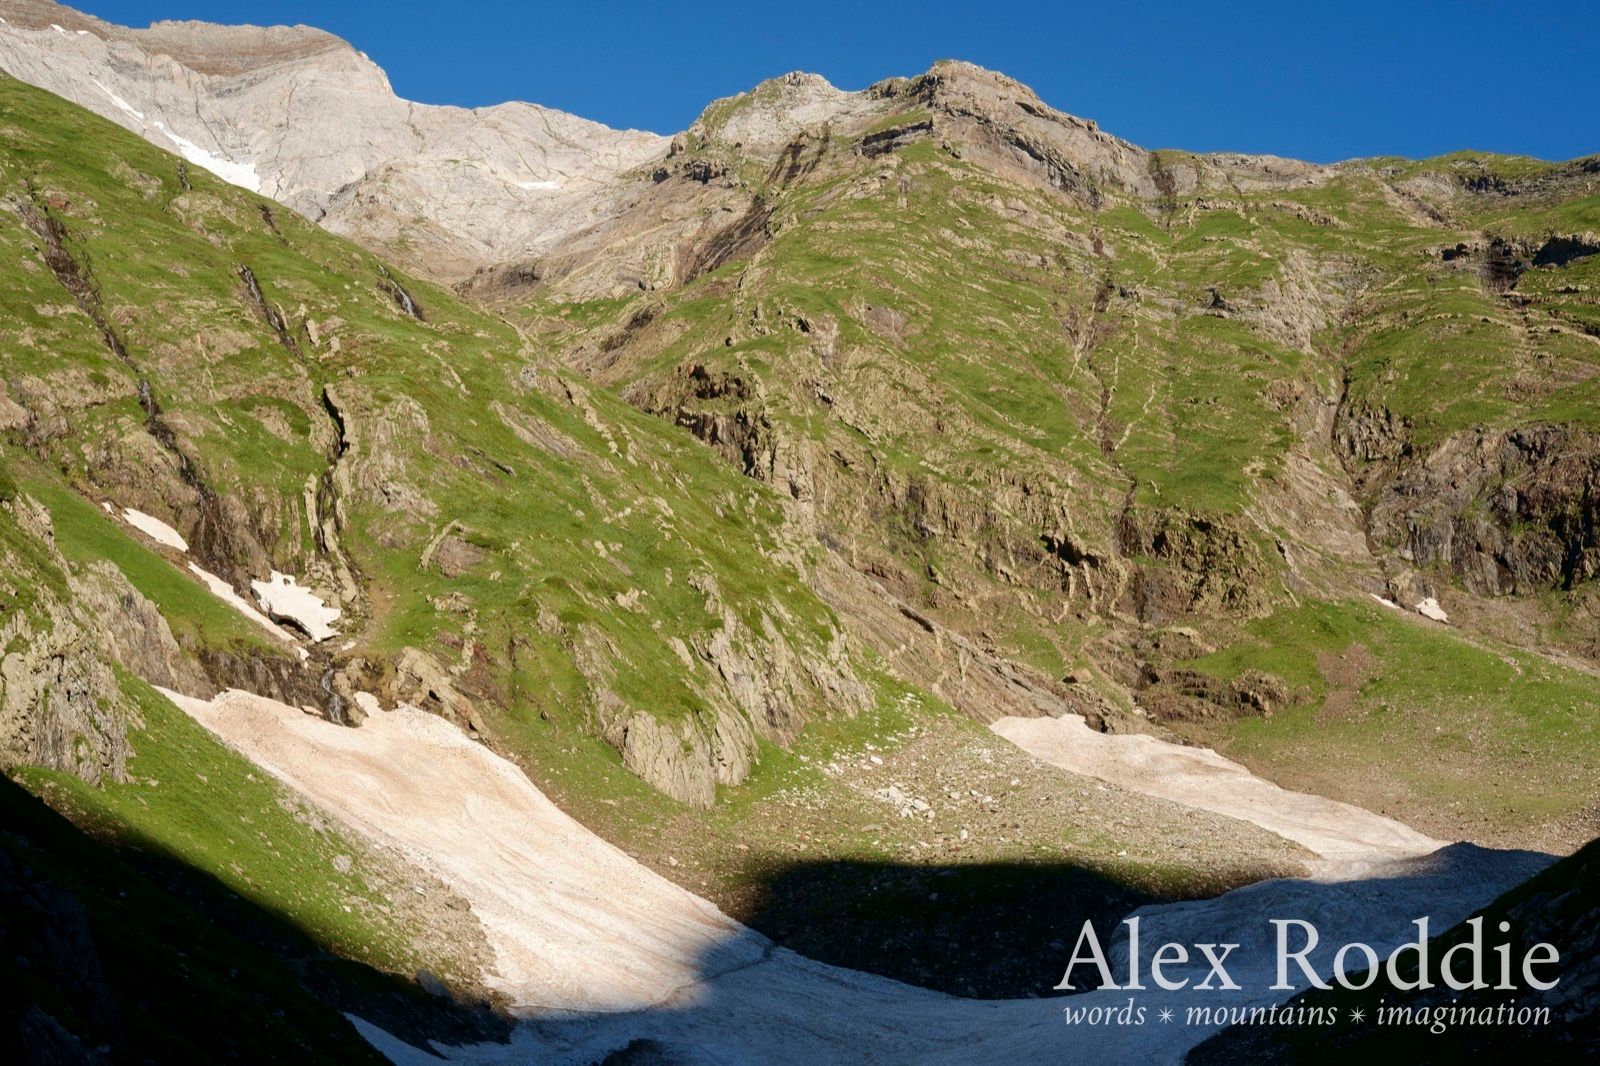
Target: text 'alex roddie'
[{"x": 1355, "y": 965}]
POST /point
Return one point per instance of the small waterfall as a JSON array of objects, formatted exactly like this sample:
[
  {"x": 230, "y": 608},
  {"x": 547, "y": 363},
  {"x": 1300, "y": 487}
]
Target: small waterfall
[
  {"x": 335, "y": 705},
  {"x": 401, "y": 296}
]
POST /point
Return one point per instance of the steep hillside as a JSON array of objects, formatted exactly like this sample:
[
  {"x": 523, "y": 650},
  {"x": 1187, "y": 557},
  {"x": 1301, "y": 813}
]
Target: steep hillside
[
  {"x": 216, "y": 412},
  {"x": 1166, "y": 427},
  {"x": 289, "y": 405},
  {"x": 732, "y": 486}
]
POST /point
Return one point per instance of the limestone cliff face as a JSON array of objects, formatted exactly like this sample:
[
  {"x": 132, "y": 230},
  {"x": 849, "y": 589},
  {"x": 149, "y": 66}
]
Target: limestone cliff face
[{"x": 299, "y": 115}]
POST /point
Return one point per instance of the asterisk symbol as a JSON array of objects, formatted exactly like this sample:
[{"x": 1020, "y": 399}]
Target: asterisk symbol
[
  {"x": 1358, "y": 1015},
  {"x": 1165, "y": 1015}
]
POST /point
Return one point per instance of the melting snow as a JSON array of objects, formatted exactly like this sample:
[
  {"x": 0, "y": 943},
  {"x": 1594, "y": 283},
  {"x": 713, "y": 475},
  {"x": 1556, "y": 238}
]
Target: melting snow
[
  {"x": 1349, "y": 839},
  {"x": 283, "y": 598},
  {"x": 1429, "y": 608},
  {"x": 155, "y": 529},
  {"x": 121, "y": 104},
  {"x": 224, "y": 592},
  {"x": 241, "y": 174}
]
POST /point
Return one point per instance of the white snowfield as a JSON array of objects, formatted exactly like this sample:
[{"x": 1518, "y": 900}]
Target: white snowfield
[
  {"x": 1350, "y": 840},
  {"x": 155, "y": 529},
  {"x": 599, "y": 953},
  {"x": 283, "y": 597}
]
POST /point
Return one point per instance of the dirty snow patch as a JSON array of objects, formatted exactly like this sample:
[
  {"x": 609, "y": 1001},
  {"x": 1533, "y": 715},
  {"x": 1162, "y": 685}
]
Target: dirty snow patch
[
  {"x": 1350, "y": 840},
  {"x": 155, "y": 529},
  {"x": 596, "y": 951},
  {"x": 1429, "y": 608},
  {"x": 241, "y": 174},
  {"x": 283, "y": 598},
  {"x": 1393, "y": 606}
]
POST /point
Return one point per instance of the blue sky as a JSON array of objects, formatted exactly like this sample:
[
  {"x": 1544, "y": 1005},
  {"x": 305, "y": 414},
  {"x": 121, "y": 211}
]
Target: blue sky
[{"x": 1314, "y": 81}]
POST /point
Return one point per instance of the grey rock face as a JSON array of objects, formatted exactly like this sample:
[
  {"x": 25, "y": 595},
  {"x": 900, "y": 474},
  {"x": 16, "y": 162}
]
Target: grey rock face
[
  {"x": 1505, "y": 511},
  {"x": 302, "y": 117},
  {"x": 61, "y": 703}
]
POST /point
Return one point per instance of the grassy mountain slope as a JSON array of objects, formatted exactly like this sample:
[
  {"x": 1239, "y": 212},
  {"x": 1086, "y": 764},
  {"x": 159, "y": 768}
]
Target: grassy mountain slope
[
  {"x": 1133, "y": 418},
  {"x": 585, "y": 588}
]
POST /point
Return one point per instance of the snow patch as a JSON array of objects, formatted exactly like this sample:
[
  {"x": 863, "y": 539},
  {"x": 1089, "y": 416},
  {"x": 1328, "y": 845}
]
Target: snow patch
[
  {"x": 58, "y": 29},
  {"x": 241, "y": 174},
  {"x": 1429, "y": 608},
  {"x": 121, "y": 104},
  {"x": 597, "y": 951},
  {"x": 1350, "y": 840},
  {"x": 537, "y": 184},
  {"x": 224, "y": 592},
  {"x": 283, "y": 598},
  {"x": 1393, "y": 606},
  {"x": 155, "y": 529}
]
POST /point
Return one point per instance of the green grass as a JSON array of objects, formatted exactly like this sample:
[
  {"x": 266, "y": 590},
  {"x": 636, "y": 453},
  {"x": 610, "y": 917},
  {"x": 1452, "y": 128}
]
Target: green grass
[
  {"x": 192, "y": 800},
  {"x": 424, "y": 402},
  {"x": 1436, "y": 723},
  {"x": 85, "y": 534}
]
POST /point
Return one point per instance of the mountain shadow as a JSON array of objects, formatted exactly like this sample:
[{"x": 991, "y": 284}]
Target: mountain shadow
[
  {"x": 994, "y": 930},
  {"x": 117, "y": 954}
]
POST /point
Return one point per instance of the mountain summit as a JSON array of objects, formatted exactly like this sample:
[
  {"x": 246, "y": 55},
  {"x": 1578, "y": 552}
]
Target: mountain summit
[{"x": 299, "y": 115}]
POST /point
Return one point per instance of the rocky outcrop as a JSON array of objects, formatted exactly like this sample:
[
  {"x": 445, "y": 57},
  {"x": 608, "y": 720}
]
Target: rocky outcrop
[
  {"x": 754, "y": 683},
  {"x": 138, "y": 638},
  {"x": 1191, "y": 564},
  {"x": 61, "y": 705},
  {"x": 1503, "y": 511},
  {"x": 64, "y": 633},
  {"x": 1171, "y": 694},
  {"x": 1001, "y": 122}
]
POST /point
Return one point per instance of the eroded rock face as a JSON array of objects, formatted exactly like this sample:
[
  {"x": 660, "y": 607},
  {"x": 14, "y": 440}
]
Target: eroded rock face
[
  {"x": 1505, "y": 511},
  {"x": 60, "y": 703}
]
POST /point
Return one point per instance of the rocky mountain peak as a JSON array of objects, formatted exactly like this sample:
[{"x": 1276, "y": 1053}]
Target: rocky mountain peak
[
  {"x": 761, "y": 121},
  {"x": 203, "y": 47},
  {"x": 299, "y": 115}
]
